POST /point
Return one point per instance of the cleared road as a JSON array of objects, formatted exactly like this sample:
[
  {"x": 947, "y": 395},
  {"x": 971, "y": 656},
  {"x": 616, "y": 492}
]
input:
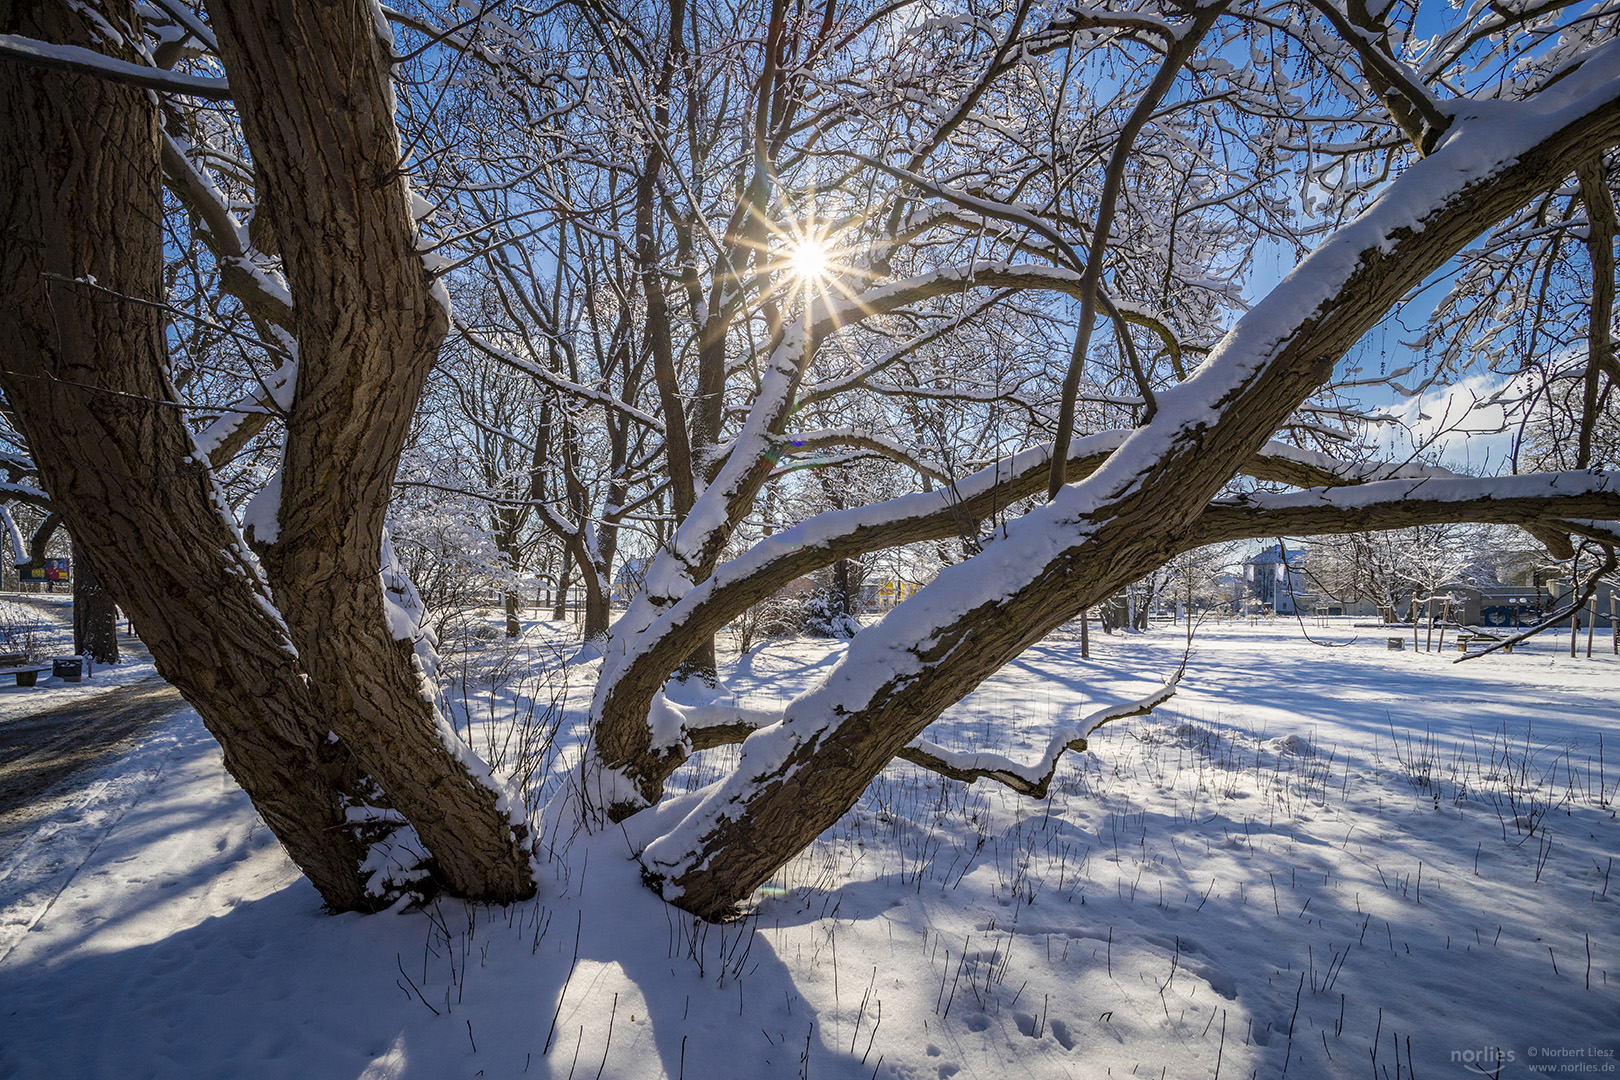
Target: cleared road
[{"x": 46, "y": 758}]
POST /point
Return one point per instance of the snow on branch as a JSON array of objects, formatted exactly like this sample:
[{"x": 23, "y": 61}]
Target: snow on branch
[
  {"x": 867, "y": 439},
  {"x": 19, "y": 550},
  {"x": 747, "y": 465},
  {"x": 17, "y": 464},
  {"x": 981, "y": 274},
  {"x": 243, "y": 270},
  {"x": 1527, "y": 498},
  {"x": 1032, "y": 779},
  {"x": 870, "y": 368},
  {"x": 25, "y": 493},
  {"x": 82, "y": 61},
  {"x": 825, "y": 538},
  {"x": 706, "y": 725},
  {"x": 897, "y": 676},
  {"x": 220, "y": 441}
]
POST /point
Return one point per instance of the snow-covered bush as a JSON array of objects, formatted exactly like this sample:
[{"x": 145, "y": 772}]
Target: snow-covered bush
[
  {"x": 819, "y": 617},
  {"x": 454, "y": 563}
]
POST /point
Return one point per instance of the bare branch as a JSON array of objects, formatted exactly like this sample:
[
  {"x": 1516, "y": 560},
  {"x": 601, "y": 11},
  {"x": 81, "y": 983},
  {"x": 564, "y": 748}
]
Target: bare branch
[
  {"x": 82, "y": 61},
  {"x": 1034, "y": 779}
]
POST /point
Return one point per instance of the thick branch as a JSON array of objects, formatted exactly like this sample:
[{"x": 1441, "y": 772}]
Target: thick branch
[
  {"x": 1528, "y": 498},
  {"x": 1032, "y": 780},
  {"x": 627, "y": 688},
  {"x": 1406, "y": 98},
  {"x": 1180, "y": 51},
  {"x": 88, "y": 385},
  {"x": 82, "y": 61},
  {"x": 262, "y": 297},
  {"x": 1133, "y": 513},
  {"x": 1601, "y": 227}
]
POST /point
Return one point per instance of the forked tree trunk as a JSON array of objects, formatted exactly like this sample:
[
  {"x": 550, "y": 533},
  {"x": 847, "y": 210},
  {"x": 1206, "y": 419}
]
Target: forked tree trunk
[
  {"x": 370, "y": 319},
  {"x": 85, "y": 372},
  {"x": 274, "y": 681},
  {"x": 95, "y": 614}
]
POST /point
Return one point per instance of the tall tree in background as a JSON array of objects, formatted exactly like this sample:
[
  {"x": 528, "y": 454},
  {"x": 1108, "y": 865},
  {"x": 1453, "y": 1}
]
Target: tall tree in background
[{"x": 95, "y": 614}]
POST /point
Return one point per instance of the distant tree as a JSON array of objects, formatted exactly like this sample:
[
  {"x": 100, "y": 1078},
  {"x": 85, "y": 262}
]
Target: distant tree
[{"x": 95, "y": 614}]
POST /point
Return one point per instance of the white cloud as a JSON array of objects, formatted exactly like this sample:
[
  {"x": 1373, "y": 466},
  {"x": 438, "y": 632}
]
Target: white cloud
[{"x": 1464, "y": 423}]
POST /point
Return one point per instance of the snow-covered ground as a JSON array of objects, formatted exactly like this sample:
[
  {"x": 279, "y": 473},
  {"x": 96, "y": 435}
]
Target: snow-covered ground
[
  {"x": 1313, "y": 860},
  {"x": 50, "y": 618}
]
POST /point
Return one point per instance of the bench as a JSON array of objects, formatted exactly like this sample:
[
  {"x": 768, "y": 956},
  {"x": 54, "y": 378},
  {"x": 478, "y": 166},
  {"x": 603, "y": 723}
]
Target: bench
[
  {"x": 27, "y": 674},
  {"x": 66, "y": 668},
  {"x": 1465, "y": 640}
]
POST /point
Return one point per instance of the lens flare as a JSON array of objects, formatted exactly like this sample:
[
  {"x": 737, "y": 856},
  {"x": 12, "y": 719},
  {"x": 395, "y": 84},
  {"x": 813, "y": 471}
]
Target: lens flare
[{"x": 810, "y": 259}]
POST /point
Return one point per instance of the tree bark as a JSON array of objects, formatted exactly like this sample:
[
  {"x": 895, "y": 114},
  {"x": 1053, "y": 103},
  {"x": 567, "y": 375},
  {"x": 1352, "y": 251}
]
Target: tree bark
[
  {"x": 842, "y": 603},
  {"x": 86, "y": 374},
  {"x": 510, "y": 600},
  {"x": 369, "y": 320},
  {"x": 598, "y": 603},
  {"x": 559, "y": 610}
]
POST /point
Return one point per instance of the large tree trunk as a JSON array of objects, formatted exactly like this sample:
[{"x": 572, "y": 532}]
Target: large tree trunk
[
  {"x": 95, "y": 614},
  {"x": 370, "y": 319},
  {"x": 85, "y": 372},
  {"x": 82, "y": 253}
]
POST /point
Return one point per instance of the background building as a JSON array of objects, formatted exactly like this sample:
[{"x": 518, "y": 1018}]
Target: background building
[{"x": 1275, "y": 579}]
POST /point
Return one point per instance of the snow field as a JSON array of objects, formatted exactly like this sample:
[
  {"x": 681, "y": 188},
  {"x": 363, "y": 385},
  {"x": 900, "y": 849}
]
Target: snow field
[{"x": 1311, "y": 861}]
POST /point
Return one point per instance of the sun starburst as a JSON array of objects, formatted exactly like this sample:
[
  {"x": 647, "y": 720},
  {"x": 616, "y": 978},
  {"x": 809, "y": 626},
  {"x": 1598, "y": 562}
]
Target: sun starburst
[
  {"x": 810, "y": 259},
  {"x": 813, "y": 263}
]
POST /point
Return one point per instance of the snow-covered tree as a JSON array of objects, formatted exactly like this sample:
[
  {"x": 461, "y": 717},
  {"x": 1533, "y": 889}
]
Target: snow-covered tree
[
  {"x": 302, "y": 660},
  {"x": 902, "y": 210},
  {"x": 1466, "y": 166}
]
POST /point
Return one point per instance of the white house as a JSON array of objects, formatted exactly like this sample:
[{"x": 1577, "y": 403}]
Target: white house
[{"x": 1277, "y": 581}]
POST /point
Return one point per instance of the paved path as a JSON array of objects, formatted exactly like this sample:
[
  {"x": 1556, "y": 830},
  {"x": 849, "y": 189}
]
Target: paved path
[{"x": 47, "y": 758}]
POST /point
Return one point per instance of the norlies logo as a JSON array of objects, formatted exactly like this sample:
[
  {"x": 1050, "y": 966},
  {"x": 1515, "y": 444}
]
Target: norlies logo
[{"x": 1487, "y": 1055}]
